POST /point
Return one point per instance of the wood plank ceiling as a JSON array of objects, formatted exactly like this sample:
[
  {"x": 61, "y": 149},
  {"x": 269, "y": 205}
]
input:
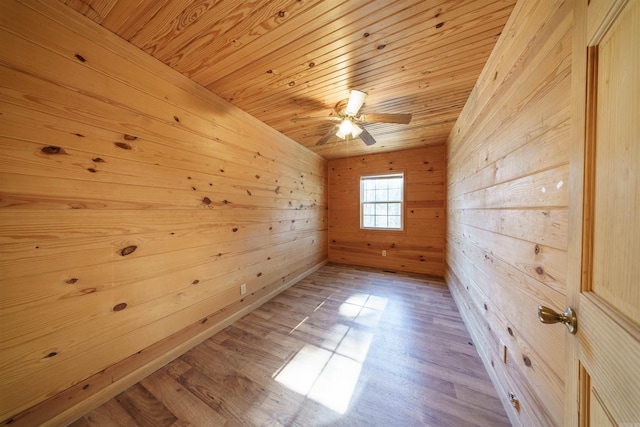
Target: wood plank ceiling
[{"x": 279, "y": 59}]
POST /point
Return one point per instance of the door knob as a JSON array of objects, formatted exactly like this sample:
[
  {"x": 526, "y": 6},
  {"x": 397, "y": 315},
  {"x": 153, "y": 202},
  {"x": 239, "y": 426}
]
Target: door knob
[{"x": 568, "y": 318}]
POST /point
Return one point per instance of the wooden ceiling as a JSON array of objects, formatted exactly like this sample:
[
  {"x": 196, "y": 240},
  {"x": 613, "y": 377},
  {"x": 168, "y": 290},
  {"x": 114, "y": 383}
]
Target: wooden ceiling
[{"x": 279, "y": 59}]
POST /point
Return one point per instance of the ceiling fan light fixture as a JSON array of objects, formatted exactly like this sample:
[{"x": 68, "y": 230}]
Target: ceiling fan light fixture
[
  {"x": 346, "y": 127},
  {"x": 356, "y": 99}
]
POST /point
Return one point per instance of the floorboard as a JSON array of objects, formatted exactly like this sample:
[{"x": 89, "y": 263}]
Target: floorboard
[{"x": 347, "y": 346}]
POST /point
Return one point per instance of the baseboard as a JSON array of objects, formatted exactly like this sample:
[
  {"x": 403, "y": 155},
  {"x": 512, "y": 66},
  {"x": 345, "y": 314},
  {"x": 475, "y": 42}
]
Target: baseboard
[{"x": 80, "y": 399}]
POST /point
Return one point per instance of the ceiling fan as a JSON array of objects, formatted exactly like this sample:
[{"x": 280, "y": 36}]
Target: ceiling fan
[{"x": 348, "y": 123}]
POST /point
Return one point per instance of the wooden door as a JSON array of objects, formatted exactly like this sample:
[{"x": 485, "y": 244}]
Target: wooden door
[{"x": 604, "y": 385}]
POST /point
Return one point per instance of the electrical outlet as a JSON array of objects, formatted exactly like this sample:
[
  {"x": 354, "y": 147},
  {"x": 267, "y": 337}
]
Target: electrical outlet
[
  {"x": 503, "y": 351},
  {"x": 384, "y": 253},
  {"x": 243, "y": 289}
]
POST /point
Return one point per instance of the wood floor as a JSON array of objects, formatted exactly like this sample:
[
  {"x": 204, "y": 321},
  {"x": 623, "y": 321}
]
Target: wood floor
[{"x": 347, "y": 346}]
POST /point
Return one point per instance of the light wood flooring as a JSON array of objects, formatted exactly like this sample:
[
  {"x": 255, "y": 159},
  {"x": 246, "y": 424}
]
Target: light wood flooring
[{"x": 347, "y": 346}]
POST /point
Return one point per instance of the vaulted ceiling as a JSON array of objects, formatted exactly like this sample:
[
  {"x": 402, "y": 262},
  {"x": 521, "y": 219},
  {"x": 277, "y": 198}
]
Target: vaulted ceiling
[{"x": 279, "y": 59}]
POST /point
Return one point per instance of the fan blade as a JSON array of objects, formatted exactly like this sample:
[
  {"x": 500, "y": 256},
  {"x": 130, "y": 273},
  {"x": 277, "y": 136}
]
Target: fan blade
[
  {"x": 328, "y": 135},
  {"x": 367, "y": 138},
  {"x": 309, "y": 119},
  {"x": 404, "y": 119},
  {"x": 356, "y": 99}
]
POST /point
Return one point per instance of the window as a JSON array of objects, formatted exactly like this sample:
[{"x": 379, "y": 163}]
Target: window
[{"x": 381, "y": 199}]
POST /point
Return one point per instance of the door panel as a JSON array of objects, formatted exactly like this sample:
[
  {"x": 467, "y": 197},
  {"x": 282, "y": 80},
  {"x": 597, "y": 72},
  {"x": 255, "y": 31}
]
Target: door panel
[
  {"x": 608, "y": 339},
  {"x": 616, "y": 231}
]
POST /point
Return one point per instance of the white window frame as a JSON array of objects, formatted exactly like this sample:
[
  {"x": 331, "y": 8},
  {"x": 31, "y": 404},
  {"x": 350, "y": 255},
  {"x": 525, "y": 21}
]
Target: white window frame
[{"x": 400, "y": 201}]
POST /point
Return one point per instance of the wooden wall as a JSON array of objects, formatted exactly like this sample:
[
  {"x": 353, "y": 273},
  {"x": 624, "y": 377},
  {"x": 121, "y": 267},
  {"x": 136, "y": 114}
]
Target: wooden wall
[
  {"x": 507, "y": 186},
  {"x": 420, "y": 246},
  {"x": 133, "y": 205}
]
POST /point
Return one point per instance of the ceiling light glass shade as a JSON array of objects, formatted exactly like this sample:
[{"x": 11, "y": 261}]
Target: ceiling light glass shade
[
  {"x": 339, "y": 134},
  {"x": 356, "y": 99},
  {"x": 346, "y": 127},
  {"x": 357, "y": 130}
]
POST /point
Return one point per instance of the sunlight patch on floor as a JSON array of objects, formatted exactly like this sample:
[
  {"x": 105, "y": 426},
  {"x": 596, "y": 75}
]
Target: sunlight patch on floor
[{"x": 329, "y": 373}]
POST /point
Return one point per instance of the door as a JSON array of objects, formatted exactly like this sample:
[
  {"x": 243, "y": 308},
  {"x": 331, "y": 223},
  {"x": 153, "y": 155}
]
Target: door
[{"x": 603, "y": 383}]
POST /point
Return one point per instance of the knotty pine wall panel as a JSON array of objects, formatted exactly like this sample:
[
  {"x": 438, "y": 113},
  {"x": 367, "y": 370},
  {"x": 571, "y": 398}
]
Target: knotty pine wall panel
[
  {"x": 420, "y": 246},
  {"x": 133, "y": 204},
  {"x": 507, "y": 197}
]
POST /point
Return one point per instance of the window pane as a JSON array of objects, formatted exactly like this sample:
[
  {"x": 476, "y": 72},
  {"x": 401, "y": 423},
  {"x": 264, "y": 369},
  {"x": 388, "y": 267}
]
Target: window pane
[
  {"x": 393, "y": 209},
  {"x": 369, "y": 195},
  {"x": 395, "y": 183},
  {"x": 368, "y": 209},
  {"x": 394, "y": 221},
  {"x": 381, "y": 195},
  {"x": 369, "y": 184},
  {"x": 381, "y": 221},
  {"x": 368, "y": 221},
  {"x": 395, "y": 195}
]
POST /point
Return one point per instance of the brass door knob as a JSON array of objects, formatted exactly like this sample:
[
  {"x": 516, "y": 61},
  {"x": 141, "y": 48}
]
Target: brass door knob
[{"x": 568, "y": 318}]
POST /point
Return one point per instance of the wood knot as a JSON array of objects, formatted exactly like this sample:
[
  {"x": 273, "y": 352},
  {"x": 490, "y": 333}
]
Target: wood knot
[
  {"x": 281, "y": 14},
  {"x": 80, "y": 57},
  {"x": 72, "y": 281},
  {"x": 540, "y": 270},
  {"x": 486, "y": 307},
  {"x": 50, "y": 355},
  {"x": 312, "y": 64},
  {"x": 440, "y": 25},
  {"x": 86, "y": 386},
  {"x": 128, "y": 137},
  {"x": 234, "y": 229},
  {"x": 177, "y": 119},
  {"x": 269, "y": 71},
  {"x": 366, "y": 35},
  {"x": 52, "y": 149},
  {"x": 510, "y": 330},
  {"x": 526, "y": 360},
  {"x": 292, "y": 84},
  {"x": 123, "y": 145},
  {"x": 382, "y": 46},
  {"x": 259, "y": 274},
  {"x": 248, "y": 192},
  {"x": 206, "y": 200},
  {"x": 277, "y": 190},
  {"x": 128, "y": 250},
  {"x": 257, "y": 176},
  {"x": 97, "y": 160},
  {"x": 537, "y": 249},
  {"x": 120, "y": 307},
  {"x": 92, "y": 170},
  {"x": 195, "y": 282}
]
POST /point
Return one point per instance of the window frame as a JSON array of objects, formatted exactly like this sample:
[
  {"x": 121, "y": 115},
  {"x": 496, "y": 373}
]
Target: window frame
[{"x": 390, "y": 175}]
